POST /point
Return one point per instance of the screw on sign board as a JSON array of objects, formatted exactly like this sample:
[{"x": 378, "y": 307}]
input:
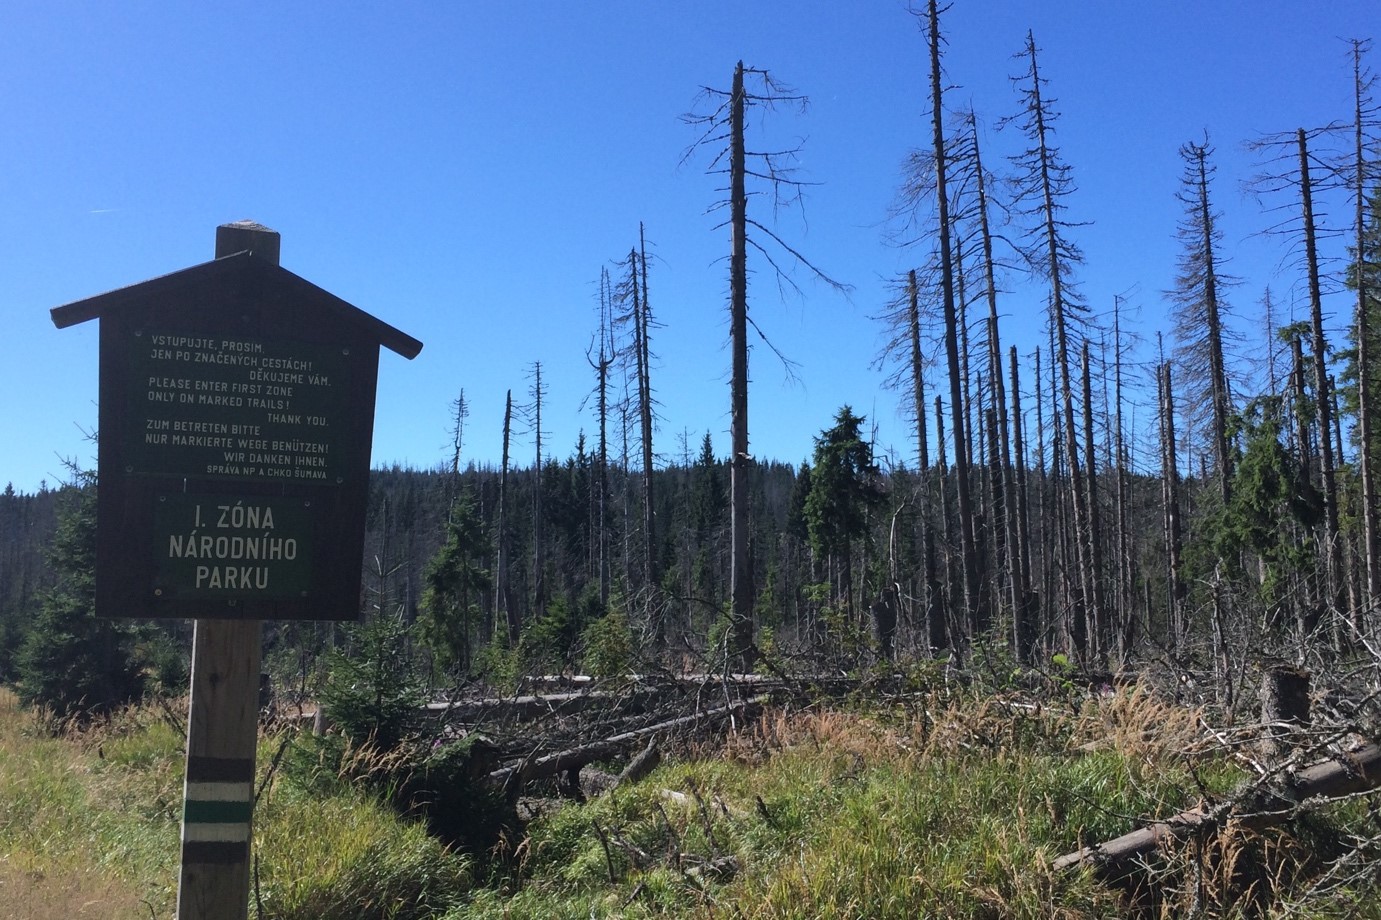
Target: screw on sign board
[{"x": 236, "y": 415}]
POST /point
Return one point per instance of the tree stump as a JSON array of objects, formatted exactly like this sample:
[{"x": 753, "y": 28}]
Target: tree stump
[
  {"x": 884, "y": 611},
  {"x": 1284, "y": 708}
]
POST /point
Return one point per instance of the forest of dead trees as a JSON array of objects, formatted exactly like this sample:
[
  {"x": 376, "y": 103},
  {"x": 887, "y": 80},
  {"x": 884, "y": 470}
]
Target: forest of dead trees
[{"x": 1046, "y": 513}]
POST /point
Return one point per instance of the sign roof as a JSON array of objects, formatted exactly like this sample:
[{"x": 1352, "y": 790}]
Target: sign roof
[{"x": 241, "y": 269}]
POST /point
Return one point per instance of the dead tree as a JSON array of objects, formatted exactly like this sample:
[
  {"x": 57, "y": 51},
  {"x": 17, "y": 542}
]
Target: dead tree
[
  {"x": 1170, "y": 502},
  {"x": 944, "y": 233},
  {"x": 637, "y": 360},
  {"x": 511, "y": 614},
  {"x": 1125, "y": 571},
  {"x": 1044, "y": 182},
  {"x": 539, "y": 522},
  {"x": 1018, "y": 578},
  {"x": 775, "y": 170},
  {"x": 1255, "y": 806},
  {"x": 1098, "y": 608},
  {"x": 1303, "y": 229},
  {"x": 601, "y": 359},
  {"x": 651, "y": 570},
  {"x": 1200, "y": 311},
  {"x": 1025, "y": 625},
  {"x": 1365, "y": 171}
]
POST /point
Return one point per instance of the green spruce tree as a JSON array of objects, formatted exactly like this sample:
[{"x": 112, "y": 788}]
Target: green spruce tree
[
  {"x": 69, "y": 661},
  {"x": 844, "y": 488}
]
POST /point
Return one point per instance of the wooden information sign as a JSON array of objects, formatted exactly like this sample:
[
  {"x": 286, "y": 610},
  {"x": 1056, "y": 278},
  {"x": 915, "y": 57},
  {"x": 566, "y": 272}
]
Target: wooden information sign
[{"x": 236, "y": 414}]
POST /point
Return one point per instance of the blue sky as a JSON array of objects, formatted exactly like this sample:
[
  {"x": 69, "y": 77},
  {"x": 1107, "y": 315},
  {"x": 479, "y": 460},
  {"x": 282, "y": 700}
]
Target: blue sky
[{"x": 465, "y": 170}]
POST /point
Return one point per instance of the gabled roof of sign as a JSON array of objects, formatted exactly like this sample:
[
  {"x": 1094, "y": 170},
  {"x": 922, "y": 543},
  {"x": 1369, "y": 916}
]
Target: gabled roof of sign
[{"x": 228, "y": 269}]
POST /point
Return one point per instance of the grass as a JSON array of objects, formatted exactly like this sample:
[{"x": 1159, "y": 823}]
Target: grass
[
  {"x": 90, "y": 823},
  {"x": 944, "y": 808},
  {"x": 83, "y": 833},
  {"x": 347, "y": 856},
  {"x": 943, "y": 805}
]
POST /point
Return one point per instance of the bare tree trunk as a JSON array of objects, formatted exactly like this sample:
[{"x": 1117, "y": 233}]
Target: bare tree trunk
[
  {"x": 1066, "y": 533},
  {"x": 1017, "y": 580},
  {"x": 651, "y": 570},
  {"x": 1332, "y": 544},
  {"x": 511, "y": 615},
  {"x": 1346, "y": 547},
  {"x": 968, "y": 549},
  {"x": 1310, "y": 613},
  {"x": 1043, "y": 493},
  {"x": 539, "y": 523},
  {"x": 937, "y": 636},
  {"x": 742, "y": 649},
  {"x": 601, "y": 489},
  {"x": 1366, "y": 397},
  {"x": 1098, "y": 613},
  {"x": 1126, "y": 636},
  {"x": 1170, "y": 494},
  {"x": 955, "y": 612},
  {"x": 1056, "y": 265},
  {"x": 1026, "y": 612}
]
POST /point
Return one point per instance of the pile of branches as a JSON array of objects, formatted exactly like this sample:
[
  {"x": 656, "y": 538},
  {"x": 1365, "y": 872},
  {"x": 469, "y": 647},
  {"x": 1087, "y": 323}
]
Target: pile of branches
[
  {"x": 551, "y": 728},
  {"x": 1309, "y": 750}
]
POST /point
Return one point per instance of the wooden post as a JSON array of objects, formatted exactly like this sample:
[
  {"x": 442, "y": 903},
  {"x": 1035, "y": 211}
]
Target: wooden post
[{"x": 222, "y": 729}]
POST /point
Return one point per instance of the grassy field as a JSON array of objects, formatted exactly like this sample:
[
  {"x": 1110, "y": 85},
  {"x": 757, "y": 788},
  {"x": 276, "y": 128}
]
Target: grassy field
[
  {"x": 941, "y": 804},
  {"x": 88, "y": 822}
]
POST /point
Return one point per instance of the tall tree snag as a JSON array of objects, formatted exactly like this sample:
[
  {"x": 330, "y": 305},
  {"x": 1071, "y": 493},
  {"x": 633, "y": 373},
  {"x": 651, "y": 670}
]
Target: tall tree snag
[
  {"x": 776, "y": 171},
  {"x": 967, "y": 546},
  {"x": 1044, "y": 183}
]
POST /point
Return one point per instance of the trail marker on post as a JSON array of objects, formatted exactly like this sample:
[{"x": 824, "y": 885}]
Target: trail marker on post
[{"x": 235, "y": 424}]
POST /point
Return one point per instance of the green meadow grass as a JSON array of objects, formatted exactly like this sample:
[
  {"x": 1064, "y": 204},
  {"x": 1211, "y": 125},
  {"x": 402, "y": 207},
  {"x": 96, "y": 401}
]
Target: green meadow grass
[
  {"x": 944, "y": 806},
  {"x": 88, "y": 822}
]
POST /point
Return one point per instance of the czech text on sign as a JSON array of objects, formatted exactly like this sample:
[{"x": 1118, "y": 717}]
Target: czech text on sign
[
  {"x": 209, "y": 406},
  {"x": 223, "y": 546}
]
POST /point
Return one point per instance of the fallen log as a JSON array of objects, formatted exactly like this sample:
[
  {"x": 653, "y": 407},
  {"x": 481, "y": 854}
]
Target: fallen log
[
  {"x": 1255, "y": 806},
  {"x": 530, "y": 707},
  {"x": 513, "y": 778},
  {"x": 640, "y": 766}
]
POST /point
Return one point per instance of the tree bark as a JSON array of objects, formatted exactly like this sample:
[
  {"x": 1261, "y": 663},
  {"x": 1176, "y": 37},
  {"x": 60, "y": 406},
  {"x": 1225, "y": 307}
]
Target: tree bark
[
  {"x": 1366, "y": 397},
  {"x": 1098, "y": 613},
  {"x": 539, "y": 522},
  {"x": 1059, "y": 325},
  {"x": 968, "y": 548},
  {"x": 651, "y": 572},
  {"x": 1025, "y": 625},
  {"x": 1170, "y": 497},
  {"x": 937, "y": 636},
  {"x": 741, "y": 649},
  {"x": 510, "y": 613},
  {"x": 1284, "y": 708},
  {"x": 1332, "y": 546}
]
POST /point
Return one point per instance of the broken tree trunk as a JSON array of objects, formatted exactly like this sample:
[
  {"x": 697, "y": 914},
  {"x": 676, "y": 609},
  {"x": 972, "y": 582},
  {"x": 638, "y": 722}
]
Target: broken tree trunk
[
  {"x": 1284, "y": 708},
  {"x": 1344, "y": 774}
]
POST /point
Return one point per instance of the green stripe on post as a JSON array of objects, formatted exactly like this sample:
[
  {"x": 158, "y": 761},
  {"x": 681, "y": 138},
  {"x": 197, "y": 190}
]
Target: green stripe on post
[{"x": 199, "y": 812}]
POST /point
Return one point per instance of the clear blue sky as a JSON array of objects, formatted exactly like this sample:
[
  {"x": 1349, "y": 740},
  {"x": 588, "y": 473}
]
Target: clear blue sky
[{"x": 464, "y": 170}]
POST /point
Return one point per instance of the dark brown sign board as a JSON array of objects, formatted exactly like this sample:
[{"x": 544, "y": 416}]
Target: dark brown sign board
[{"x": 235, "y": 424}]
